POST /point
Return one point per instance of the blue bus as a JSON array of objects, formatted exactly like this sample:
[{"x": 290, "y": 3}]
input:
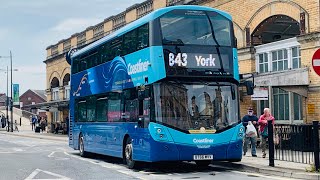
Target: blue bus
[{"x": 163, "y": 88}]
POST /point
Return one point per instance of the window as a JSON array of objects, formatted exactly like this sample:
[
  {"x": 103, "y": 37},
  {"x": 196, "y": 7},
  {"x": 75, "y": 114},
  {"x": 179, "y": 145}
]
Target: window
[
  {"x": 131, "y": 105},
  {"x": 143, "y": 36},
  {"x": 102, "y": 105},
  {"x": 114, "y": 107},
  {"x": 297, "y": 106},
  {"x": 82, "y": 111},
  {"x": 55, "y": 94},
  {"x": 263, "y": 104},
  {"x": 195, "y": 27},
  {"x": 296, "y": 58},
  {"x": 130, "y": 42},
  {"x": 280, "y": 60},
  {"x": 67, "y": 92},
  {"x": 55, "y": 116},
  {"x": 91, "y": 109},
  {"x": 280, "y": 104},
  {"x": 263, "y": 63},
  {"x": 115, "y": 47}
]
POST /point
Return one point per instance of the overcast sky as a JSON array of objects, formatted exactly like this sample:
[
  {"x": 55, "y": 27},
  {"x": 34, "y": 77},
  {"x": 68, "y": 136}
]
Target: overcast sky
[{"x": 27, "y": 27}]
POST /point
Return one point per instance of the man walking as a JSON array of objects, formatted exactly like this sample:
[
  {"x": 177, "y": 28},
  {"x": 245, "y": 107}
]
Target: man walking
[{"x": 250, "y": 137}]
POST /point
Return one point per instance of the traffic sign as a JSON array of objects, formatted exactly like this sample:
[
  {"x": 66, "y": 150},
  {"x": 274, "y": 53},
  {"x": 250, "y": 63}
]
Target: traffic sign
[{"x": 316, "y": 62}]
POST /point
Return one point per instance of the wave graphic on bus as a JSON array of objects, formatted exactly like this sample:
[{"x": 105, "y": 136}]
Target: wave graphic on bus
[{"x": 116, "y": 75}]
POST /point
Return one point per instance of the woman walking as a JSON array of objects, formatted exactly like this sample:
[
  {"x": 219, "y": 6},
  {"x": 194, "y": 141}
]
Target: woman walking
[{"x": 263, "y": 122}]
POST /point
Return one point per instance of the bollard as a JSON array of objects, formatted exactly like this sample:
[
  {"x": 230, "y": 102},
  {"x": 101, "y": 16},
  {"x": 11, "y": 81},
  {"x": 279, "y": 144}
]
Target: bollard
[
  {"x": 20, "y": 121},
  {"x": 271, "y": 143},
  {"x": 315, "y": 129}
]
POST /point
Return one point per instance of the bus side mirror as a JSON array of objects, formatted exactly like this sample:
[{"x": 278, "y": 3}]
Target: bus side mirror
[{"x": 249, "y": 87}]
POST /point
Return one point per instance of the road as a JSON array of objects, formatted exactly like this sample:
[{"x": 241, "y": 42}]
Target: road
[{"x": 25, "y": 158}]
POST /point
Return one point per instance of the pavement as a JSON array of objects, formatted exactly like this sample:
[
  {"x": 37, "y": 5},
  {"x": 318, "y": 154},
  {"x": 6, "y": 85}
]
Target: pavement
[{"x": 247, "y": 164}]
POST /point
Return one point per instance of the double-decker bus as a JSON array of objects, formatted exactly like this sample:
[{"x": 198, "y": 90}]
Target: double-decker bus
[{"x": 162, "y": 88}]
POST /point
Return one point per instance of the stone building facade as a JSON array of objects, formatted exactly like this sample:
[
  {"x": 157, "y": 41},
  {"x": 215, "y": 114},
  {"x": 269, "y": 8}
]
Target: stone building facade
[{"x": 276, "y": 40}]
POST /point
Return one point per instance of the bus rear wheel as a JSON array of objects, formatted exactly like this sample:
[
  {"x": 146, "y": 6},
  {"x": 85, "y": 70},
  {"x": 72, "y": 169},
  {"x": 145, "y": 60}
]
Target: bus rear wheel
[
  {"x": 128, "y": 154},
  {"x": 203, "y": 164},
  {"x": 83, "y": 153}
]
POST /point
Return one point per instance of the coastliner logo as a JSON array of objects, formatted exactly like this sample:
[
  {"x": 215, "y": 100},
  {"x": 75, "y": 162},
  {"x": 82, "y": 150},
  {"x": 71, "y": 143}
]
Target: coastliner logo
[
  {"x": 205, "y": 140},
  {"x": 138, "y": 68}
]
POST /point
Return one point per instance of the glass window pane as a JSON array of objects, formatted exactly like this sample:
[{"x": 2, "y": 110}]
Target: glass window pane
[
  {"x": 260, "y": 58},
  {"x": 276, "y": 106},
  {"x": 295, "y": 63},
  {"x": 274, "y": 55},
  {"x": 266, "y": 67},
  {"x": 82, "y": 111},
  {"x": 286, "y": 106},
  {"x": 265, "y": 57},
  {"x": 280, "y": 54},
  {"x": 274, "y": 66},
  {"x": 294, "y": 52},
  {"x": 275, "y": 90},
  {"x": 102, "y": 110},
  {"x": 296, "y": 106},
  {"x": 285, "y": 53},
  {"x": 280, "y": 65},
  {"x": 285, "y": 67},
  {"x": 281, "y": 106},
  {"x": 261, "y": 69}
]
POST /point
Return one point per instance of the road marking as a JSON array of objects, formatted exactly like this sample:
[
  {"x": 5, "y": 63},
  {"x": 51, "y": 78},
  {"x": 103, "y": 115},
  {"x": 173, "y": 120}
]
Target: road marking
[
  {"x": 51, "y": 154},
  {"x": 118, "y": 168},
  {"x": 37, "y": 171},
  {"x": 263, "y": 176}
]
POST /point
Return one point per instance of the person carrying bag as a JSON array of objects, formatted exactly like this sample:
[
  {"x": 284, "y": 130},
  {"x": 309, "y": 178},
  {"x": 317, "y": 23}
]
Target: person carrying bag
[
  {"x": 249, "y": 121},
  {"x": 263, "y": 130}
]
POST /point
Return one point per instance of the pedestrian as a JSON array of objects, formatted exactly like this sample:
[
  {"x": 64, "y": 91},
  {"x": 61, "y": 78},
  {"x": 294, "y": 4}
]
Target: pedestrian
[
  {"x": 43, "y": 125},
  {"x": 263, "y": 122},
  {"x": 16, "y": 126},
  {"x": 33, "y": 122},
  {"x": 250, "y": 137}
]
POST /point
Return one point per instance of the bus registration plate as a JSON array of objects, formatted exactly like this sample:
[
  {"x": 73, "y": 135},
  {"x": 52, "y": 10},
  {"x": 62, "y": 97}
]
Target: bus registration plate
[{"x": 202, "y": 157}]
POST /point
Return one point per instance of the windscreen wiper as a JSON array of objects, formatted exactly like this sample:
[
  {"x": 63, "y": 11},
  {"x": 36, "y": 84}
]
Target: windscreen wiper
[{"x": 217, "y": 45}]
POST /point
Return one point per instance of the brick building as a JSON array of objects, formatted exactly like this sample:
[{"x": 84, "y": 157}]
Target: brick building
[
  {"x": 276, "y": 40},
  {"x": 32, "y": 97}
]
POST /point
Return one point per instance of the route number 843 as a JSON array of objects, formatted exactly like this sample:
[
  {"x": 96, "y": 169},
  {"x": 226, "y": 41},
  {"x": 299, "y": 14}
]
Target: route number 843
[{"x": 180, "y": 59}]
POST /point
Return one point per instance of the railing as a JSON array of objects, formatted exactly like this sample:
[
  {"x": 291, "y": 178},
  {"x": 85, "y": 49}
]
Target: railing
[{"x": 294, "y": 143}]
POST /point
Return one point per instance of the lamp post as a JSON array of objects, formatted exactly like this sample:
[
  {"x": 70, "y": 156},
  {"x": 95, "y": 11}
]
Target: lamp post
[
  {"x": 7, "y": 101},
  {"x": 11, "y": 102}
]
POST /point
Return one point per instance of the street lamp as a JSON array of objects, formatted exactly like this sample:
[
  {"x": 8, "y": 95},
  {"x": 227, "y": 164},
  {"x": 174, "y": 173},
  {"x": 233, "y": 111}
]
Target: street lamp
[
  {"x": 11, "y": 103},
  {"x": 7, "y": 101}
]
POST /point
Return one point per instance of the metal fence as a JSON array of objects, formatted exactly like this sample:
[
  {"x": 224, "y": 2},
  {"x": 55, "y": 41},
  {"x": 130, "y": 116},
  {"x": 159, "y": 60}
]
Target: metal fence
[{"x": 294, "y": 143}]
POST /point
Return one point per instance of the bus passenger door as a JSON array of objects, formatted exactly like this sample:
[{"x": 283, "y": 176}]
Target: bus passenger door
[{"x": 143, "y": 138}]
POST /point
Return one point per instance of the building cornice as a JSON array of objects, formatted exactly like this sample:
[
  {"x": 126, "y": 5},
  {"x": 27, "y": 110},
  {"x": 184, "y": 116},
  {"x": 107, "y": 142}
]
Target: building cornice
[{"x": 310, "y": 37}]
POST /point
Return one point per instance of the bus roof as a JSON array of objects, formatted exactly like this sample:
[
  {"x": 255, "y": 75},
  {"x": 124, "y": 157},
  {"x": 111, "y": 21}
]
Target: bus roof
[{"x": 149, "y": 17}]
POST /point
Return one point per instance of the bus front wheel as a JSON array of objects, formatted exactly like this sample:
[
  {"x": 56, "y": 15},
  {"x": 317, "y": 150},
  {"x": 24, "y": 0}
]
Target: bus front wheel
[
  {"x": 83, "y": 153},
  {"x": 128, "y": 154}
]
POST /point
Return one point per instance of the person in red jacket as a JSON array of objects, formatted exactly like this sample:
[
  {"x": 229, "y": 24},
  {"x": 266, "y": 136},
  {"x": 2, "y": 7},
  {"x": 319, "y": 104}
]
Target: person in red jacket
[{"x": 263, "y": 122}]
